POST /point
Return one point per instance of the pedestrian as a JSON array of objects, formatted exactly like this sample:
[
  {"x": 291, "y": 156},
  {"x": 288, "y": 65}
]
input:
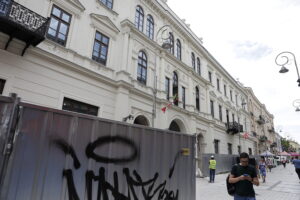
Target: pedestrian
[
  {"x": 284, "y": 162},
  {"x": 296, "y": 163},
  {"x": 244, "y": 176},
  {"x": 269, "y": 164},
  {"x": 212, "y": 169},
  {"x": 262, "y": 169}
]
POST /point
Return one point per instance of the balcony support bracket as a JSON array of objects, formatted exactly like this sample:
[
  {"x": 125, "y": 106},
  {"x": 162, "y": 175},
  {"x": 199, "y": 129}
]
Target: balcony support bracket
[
  {"x": 25, "y": 48},
  {"x": 8, "y": 42}
]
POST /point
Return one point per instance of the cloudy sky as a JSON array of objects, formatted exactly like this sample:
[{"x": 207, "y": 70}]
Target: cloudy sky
[{"x": 245, "y": 37}]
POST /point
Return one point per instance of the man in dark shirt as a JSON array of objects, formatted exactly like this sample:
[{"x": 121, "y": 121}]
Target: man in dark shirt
[{"x": 244, "y": 176}]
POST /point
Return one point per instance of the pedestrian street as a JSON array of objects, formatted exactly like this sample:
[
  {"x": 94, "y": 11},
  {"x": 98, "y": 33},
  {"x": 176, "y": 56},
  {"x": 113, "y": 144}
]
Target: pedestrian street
[{"x": 281, "y": 184}]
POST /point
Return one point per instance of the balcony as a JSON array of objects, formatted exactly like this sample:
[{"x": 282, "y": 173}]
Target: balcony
[
  {"x": 271, "y": 130},
  {"x": 233, "y": 128},
  {"x": 274, "y": 144},
  {"x": 20, "y": 22},
  {"x": 261, "y": 120},
  {"x": 263, "y": 138}
]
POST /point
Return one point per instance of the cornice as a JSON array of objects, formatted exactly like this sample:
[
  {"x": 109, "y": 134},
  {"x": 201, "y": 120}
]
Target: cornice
[{"x": 104, "y": 20}]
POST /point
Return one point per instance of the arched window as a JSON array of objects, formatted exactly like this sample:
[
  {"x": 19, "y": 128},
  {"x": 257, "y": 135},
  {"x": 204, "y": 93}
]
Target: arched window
[
  {"x": 139, "y": 18},
  {"x": 175, "y": 89},
  {"x": 197, "y": 99},
  {"x": 150, "y": 27},
  {"x": 107, "y": 3},
  {"x": 142, "y": 68},
  {"x": 178, "y": 49},
  {"x": 198, "y": 66},
  {"x": 193, "y": 61},
  {"x": 171, "y": 41}
]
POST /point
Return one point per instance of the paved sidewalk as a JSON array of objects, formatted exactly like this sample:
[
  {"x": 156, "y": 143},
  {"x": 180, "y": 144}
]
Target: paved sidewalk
[{"x": 281, "y": 184}]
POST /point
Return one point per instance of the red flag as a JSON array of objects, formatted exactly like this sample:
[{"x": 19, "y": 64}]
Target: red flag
[
  {"x": 164, "y": 109},
  {"x": 246, "y": 135},
  {"x": 169, "y": 105}
]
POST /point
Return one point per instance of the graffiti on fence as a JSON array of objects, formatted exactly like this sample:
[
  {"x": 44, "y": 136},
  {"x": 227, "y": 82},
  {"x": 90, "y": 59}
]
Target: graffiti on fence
[{"x": 150, "y": 188}]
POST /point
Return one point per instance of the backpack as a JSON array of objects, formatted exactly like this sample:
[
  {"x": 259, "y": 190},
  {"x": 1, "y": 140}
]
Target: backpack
[{"x": 230, "y": 186}]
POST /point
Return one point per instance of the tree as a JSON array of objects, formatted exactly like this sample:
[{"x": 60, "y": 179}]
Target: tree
[{"x": 285, "y": 144}]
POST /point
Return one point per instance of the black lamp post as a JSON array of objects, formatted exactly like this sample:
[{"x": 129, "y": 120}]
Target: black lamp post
[{"x": 284, "y": 58}]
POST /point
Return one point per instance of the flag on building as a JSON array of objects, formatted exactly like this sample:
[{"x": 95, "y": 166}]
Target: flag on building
[
  {"x": 246, "y": 135},
  {"x": 175, "y": 99}
]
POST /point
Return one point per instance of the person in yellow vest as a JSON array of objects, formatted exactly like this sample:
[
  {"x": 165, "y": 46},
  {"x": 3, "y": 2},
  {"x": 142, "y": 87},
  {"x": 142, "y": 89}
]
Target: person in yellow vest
[{"x": 212, "y": 169}]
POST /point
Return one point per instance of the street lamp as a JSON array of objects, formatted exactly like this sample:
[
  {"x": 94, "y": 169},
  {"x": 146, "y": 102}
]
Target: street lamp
[
  {"x": 284, "y": 58},
  {"x": 296, "y": 104}
]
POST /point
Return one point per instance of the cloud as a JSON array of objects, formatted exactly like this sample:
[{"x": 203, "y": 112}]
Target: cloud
[{"x": 250, "y": 50}]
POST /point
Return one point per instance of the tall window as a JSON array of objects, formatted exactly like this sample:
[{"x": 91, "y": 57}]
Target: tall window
[
  {"x": 229, "y": 148},
  {"x": 150, "y": 27},
  {"x": 233, "y": 117},
  {"x": 167, "y": 88},
  {"x": 193, "y": 61},
  {"x": 236, "y": 100},
  {"x": 142, "y": 68},
  {"x": 178, "y": 49},
  {"x": 197, "y": 99},
  {"x": 139, "y": 18},
  {"x": 183, "y": 97},
  {"x": 230, "y": 95},
  {"x": 59, "y": 25},
  {"x": 175, "y": 88},
  {"x": 100, "y": 48},
  {"x": 77, "y": 106},
  {"x": 250, "y": 151},
  {"x": 239, "y": 149},
  {"x": 216, "y": 145},
  {"x": 171, "y": 42},
  {"x": 2, "y": 83},
  {"x": 107, "y": 3},
  {"x": 220, "y": 113},
  {"x": 225, "y": 90},
  {"x": 210, "y": 77},
  {"x": 198, "y": 66},
  {"x": 218, "y": 84},
  {"x": 227, "y": 116},
  {"x": 212, "y": 110}
]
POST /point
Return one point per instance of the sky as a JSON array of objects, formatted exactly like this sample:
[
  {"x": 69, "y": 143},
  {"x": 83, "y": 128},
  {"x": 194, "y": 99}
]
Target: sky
[{"x": 245, "y": 36}]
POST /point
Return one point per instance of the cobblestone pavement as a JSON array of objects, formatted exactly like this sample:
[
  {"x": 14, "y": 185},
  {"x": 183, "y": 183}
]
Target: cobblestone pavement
[{"x": 281, "y": 184}]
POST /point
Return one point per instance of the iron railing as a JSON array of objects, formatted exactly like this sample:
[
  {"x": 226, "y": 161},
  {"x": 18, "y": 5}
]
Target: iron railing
[{"x": 234, "y": 127}]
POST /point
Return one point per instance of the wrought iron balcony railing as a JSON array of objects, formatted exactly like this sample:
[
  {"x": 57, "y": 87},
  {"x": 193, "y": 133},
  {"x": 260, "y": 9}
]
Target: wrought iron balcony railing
[
  {"x": 271, "y": 130},
  {"x": 261, "y": 120},
  {"x": 263, "y": 138},
  {"x": 233, "y": 127},
  {"x": 22, "y": 23}
]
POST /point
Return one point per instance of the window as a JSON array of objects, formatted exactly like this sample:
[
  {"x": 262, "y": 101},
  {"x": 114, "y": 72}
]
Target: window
[
  {"x": 100, "y": 48},
  {"x": 220, "y": 113},
  {"x": 193, "y": 61},
  {"x": 175, "y": 89},
  {"x": 232, "y": 117},
  {"x": 197, "y": 99},
  {"x": 212, "y": 111},
  {"x": 171, "y": 42},
  {"x": 107, "y": 3},
  {"x": 167, "y": 88},
  {"x": 225, "y": 90},
  {"x": 178, "y": 49},
  {"x": 150, "y": 27},
  {"x": 77, "y": 106},
  {"x": 59, "y": 25},
  {"x": 227, "y": 116},
  {"x": 250, "y": 151},
  {"x": 2, "y": 83},
  {"x": 183, "y": 97},
  {"x": 198, "y": 66},
  {"x": 218, "y": 84},
  {"x": 236, "y": 100},
  {"x": 210, "y": 77},
  {"x": 239, "y": 149},
  {"x": 229, "y": 145},
  {"x": 142, "y": 68},
  {"x": 216, "y": 145},
  {"x": 230, "y": 95},
  {"x": 139, "y": 18}
]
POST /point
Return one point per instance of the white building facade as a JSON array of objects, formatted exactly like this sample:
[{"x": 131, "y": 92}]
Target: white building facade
[{"x": 106, "y": 58}]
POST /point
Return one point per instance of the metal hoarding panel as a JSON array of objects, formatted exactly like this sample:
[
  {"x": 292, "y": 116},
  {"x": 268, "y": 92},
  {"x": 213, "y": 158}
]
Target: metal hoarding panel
[{"x": 59, "y": 155}]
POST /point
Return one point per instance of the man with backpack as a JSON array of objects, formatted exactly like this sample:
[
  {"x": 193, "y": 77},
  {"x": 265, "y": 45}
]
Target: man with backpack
[{"x": 243, "y": 176}]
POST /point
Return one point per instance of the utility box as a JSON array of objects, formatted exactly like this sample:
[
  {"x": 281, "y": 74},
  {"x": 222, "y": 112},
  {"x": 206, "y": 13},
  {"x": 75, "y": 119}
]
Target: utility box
[{"x": 58, "y": 155}]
